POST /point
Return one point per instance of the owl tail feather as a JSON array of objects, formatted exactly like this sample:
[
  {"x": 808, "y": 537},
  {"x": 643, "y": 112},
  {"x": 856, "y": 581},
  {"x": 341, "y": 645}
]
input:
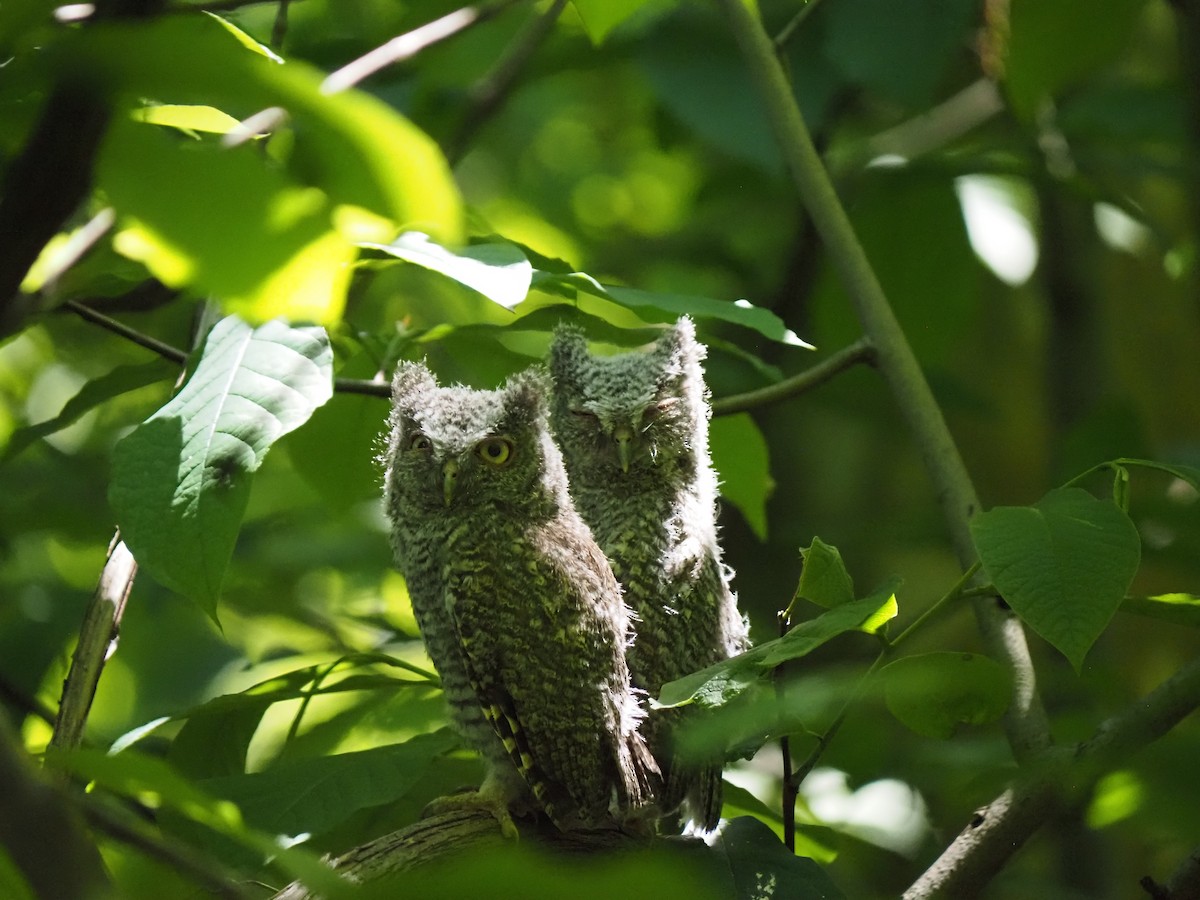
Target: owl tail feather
[{"x": 696, "y": 791}]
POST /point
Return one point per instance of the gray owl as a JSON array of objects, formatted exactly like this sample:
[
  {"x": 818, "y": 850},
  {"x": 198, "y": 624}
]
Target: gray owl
[
  {"x": 633, "y": 429},
  {"x": 519, "y": 609}
]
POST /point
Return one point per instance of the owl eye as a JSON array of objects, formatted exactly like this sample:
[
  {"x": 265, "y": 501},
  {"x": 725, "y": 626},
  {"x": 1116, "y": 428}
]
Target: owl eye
[
  {"x": 495, "y": 450},
  {"x": 654, "y": 410},
  {"x": 420, "y": 443},
  {"x": 584, "y": 415}
]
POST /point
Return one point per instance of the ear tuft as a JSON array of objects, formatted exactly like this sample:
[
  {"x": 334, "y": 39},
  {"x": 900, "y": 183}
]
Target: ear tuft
[
  {"x": 567, "y": 348},
  {"x": 411, "y": 378},
  {"x": 526, "y": 393}
]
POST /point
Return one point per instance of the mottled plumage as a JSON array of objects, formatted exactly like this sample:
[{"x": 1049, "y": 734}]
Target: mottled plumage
[
  {"x": 633, "y": 429},
  {"x": 519, "y": 609}
]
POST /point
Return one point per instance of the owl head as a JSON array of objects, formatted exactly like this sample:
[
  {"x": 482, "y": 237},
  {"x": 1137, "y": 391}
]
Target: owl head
[
  {"x": 633, "y": 415},
  {"x": 456, "y": 448}
]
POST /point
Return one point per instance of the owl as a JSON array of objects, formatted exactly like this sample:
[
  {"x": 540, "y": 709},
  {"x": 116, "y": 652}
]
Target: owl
[
  {"x": 519, "y": 609},
  {"x": 633, "y": 429}
]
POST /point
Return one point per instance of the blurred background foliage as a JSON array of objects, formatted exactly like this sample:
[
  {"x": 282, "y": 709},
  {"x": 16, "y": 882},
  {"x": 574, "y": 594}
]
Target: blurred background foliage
[{"x": 1023, "y": 174}]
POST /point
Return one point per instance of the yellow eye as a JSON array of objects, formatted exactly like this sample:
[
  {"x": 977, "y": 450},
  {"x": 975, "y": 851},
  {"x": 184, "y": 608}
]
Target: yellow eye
[
  {"x": 419, "y": 442},
  {"x": 494, "y": 450}
]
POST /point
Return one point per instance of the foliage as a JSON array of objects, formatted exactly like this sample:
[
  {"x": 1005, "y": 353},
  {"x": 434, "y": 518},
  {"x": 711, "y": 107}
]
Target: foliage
[{"x": 1025, "y": 188}]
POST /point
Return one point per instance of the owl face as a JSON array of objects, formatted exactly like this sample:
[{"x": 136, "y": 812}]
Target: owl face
[
  {"x": 619, "y": 417},
  {"x": 454, "y": 448}
]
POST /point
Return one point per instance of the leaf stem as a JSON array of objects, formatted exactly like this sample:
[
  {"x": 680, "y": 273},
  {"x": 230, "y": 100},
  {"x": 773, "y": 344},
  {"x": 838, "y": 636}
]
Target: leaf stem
[
  {"x": 957, "y": 592},
  {"x": 791, "y": 787}
]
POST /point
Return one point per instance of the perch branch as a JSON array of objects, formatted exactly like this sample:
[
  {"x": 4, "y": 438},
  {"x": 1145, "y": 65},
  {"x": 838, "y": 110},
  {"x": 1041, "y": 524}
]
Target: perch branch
[
  {"x": 861, "y": 351},
  {"x": 174, "y": 354},
  {"x": 996, "y": 832},
  {"x": 97, "y": 636},
  {"x": 1027, "y": 729},
  {"x": 488, "y": 94},
  {"x": 409, "y": 44}
]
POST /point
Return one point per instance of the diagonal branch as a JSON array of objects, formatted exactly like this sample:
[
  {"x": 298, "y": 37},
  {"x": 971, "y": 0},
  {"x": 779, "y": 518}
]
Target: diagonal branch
[
  {"x": 860, "y": 351},
  {"x": 996, "y": 832},
  {"x": 489, "y": 93}
]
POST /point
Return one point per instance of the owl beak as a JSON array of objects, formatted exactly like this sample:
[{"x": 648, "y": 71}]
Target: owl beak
[
  {"x": 623, "y": 435},
  {"x": 449, "y": 480}
]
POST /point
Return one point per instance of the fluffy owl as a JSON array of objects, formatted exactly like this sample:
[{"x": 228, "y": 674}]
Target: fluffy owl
[
  {"x": 633, "y": 429},
  {"x": 519, "y": 609}
]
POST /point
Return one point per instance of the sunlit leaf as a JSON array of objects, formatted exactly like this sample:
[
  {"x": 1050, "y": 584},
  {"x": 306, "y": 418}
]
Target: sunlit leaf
[
  {"x": 187, "y": 118},
  {"x": 602, "y": 16},
  {"x": 935, "y": 693},
  {"x": 181, "y": 480},
  {"x": 498, "y": 271},
  {"x": 1063, "y": 564},
  {"x": 1180, "y": 609},
  {"x": 721, "y": 683}
]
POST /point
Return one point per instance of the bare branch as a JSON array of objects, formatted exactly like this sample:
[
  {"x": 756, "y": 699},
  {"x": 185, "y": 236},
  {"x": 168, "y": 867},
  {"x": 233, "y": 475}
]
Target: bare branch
[
  {"x": 859, "y": 352},
  {"x": 409, "y": 44},
  {"x": 489, "y": 93},
  {"x": 97, "y": 637},
  {"x": 142, "y": 340}
]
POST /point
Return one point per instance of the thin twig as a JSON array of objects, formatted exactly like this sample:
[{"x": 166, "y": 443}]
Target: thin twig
[
  {"x": 280, "y": 26},
  {"x": 362, "y": 386},
  {"x": 791, "y": 787},
  {"x": 785, "y": 33},
  {"x": 217, "y": 6},
  {"x": 488, "y": 94},
  {"x": 409, "y": 44},
  {"x": 142, "y": 340},
  {"x": 15, "y": 697},
  {"x": 859, "y": 352}
]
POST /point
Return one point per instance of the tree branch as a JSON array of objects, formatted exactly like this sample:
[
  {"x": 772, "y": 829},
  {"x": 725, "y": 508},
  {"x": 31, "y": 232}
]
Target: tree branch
[
  {"x": 97, "y": 635},
  {"x": 489, "y": 93},
  {"x": 860, "y": 351},
  {"x": 998, "y": 831},
  {"x": 166, "y": 351},
  {"x": 1026, "y": 726},
  {"x": 409, "y": 44}
]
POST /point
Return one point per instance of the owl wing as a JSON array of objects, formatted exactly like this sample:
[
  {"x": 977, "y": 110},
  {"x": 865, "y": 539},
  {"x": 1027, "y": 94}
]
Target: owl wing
[{"x": 482, "y": 655}]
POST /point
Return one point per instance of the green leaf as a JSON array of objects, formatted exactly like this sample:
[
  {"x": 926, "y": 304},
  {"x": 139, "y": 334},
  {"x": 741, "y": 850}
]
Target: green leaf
[
  {"x": 1186, "y": 473},
  {"x": 354, "y": 147},
  {"x": 1179, "y": 609},
  {"x": 314, "y": 795},
  {"x": 1063, "y": 564},
  {"x": 180, "y": 480},
  {"x": 13, "y": 884},
  {"x": 824, "y": 579},
  {"x": 499, "y": 271},
  {"x": 120, "y": 380},
  {"x": 935, "y": 693},
  {"x": 190, "y": 213},
  {"x": 156, "y": 784},
  {"x": 187, "y": 117},
  {"x": 756, "y": 857},
  {"x": 739, "y": 453},
  {"x": 1048, "y": 50},
  {"x": 602, "y": 16},
  {"x": 658, "y": 307},
  {"x": 721, "y": 683}
]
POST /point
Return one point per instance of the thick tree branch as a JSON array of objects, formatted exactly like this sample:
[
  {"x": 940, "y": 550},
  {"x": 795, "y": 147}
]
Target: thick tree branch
[
  {"x": 860, "y": 351},
  {"x": 488, "y": 94},
  {"x": 998, "y": 831}
]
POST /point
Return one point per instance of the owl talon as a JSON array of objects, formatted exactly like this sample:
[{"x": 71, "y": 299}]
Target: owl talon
[{"x": 481, "y": 799}]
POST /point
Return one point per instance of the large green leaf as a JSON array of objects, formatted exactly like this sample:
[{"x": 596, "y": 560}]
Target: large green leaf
[
  {"x": 739, "y": 453},
  {"x": 154, "y": 783},
  {"x": 721, "y": 683},
  {"x": 1063, "y": 564},
  {"x": 314, "y": 795},
  {"x": 353, "y": 147},
  {"x": 13, "y": 884},
  {"x": 180, "y": 481},
  {"x": 756, "y": 858},
  {"x": 935, "y": 693}
]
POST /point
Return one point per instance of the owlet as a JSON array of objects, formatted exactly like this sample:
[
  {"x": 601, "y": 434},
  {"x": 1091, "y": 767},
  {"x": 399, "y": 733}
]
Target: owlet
[
  {"x": 633, "y": 429},
  {"x": 519, "y": 609}
]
